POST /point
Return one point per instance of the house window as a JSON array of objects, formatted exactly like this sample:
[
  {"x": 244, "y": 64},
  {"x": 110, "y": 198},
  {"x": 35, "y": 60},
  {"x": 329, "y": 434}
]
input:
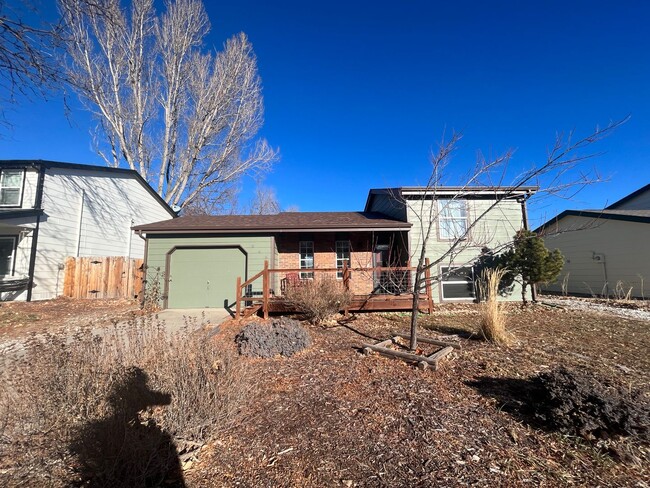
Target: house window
[
  {"x": 457, "y": 283},
  {"x": 342, "y": 256},
  {"x": 452, "y": 217},
  {"x": 7, "y": 248},
  {"x": 11, "y": 186},
  {"x": 306, "y": 249}
]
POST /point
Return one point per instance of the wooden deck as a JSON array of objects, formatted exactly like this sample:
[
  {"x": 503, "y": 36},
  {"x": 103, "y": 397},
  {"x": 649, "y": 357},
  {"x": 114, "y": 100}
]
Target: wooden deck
[
  {"x": 247, "y": 304},
  {"x": 361, "y": 303}
]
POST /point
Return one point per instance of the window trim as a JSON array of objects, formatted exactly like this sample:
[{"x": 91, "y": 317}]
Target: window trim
[
  {"x": 338, "y": 261},
  {"x": 443, "y": 204},
  {"x": 442, "y": 282},
  {"x": 21, "y": 187},
  {"x": 301, "y": 261},
  {"x": 12, "y": 261}
]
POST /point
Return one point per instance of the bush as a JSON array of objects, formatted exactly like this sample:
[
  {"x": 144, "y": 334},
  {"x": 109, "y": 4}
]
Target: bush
[
  {"x": 492, "y": 325},
  {"x": 265, "y": 340},
  {"x": 320, "y": 299},
  {"x": 114, "y": 410},
  {"x": 575, "y": 403}
]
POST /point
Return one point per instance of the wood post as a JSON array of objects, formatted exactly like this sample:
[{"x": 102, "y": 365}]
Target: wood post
[
  {"x": 346, "y": 284},
  {"x": 427, "y": 280},
  {"x": 238, "y": 299},
  {"x": 265, "y": 290}
]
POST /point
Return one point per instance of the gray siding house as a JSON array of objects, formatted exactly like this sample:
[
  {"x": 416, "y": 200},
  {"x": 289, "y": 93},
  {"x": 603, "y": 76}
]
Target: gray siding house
[
  {"x": 606, "y": 251},
  {"x": 51, "y": 210}
]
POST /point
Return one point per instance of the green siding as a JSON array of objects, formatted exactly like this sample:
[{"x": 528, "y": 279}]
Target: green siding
[
  {"x": 257, "y": 248},
  {"x": 494, "y": 229}
]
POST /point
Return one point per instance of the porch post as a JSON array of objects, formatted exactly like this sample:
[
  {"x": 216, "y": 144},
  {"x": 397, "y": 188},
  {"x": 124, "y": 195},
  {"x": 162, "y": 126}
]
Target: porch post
[
  {"x": 265, "y": 290},
  {"x": 238, "y": 299},
  {"x": 346, "y": 283}
]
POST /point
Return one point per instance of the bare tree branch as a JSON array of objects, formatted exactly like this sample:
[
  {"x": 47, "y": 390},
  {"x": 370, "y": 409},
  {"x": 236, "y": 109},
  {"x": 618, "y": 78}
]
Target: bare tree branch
[{"x": 185, "y": 119}]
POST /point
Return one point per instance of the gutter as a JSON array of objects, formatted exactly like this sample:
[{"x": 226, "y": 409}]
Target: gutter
[{"x": 37, "y": 205}]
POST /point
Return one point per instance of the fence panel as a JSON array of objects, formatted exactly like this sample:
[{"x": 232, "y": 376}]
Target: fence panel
[{"x": 103, "y": 277}]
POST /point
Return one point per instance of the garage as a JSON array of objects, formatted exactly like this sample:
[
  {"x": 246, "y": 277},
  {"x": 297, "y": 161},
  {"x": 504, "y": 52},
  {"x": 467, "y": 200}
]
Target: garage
[{"x": 204, "y": 277}]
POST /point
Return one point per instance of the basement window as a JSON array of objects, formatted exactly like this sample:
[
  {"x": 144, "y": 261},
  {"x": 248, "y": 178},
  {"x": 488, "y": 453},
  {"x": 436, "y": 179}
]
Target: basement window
[
  {"x": 7, "y": 250},
  {"x": 457, "y": 283}
]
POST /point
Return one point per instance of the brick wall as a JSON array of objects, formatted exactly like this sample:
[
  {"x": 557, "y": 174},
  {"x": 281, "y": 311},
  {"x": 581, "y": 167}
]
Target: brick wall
[{"x": 361, "y": 283}]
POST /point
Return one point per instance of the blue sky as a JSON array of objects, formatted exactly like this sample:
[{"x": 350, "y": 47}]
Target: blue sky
[{"x": 358, "y": 93}]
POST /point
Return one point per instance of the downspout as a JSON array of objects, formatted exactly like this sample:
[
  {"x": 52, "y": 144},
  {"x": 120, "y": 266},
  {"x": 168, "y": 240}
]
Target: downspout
[
  {"x": 81, "y": 218},
  {"x": 32, "y": 256},
  {"x": 144, "y": 266},
  {"x": 524, "y": 221}
]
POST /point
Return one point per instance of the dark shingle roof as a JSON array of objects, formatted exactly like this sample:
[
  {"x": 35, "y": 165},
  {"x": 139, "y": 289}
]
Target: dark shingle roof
[
  {"x": 642, "y": 216},
  {"x": 282, "y": 222}
]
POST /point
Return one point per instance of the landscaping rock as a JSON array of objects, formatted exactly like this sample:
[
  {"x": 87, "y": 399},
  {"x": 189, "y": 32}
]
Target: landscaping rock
[{"x": 281, "y": 336}]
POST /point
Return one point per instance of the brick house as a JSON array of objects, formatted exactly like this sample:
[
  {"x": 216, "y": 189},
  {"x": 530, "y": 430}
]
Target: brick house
[{"x": 199, "y": 259}]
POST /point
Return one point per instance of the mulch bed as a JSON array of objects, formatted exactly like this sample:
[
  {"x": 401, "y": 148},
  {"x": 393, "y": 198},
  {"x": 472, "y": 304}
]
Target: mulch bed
[{"x": 330, "y": 416}]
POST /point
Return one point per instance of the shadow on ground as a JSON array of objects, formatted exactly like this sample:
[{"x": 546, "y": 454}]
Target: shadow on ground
[{"x": 120, "y": 450}]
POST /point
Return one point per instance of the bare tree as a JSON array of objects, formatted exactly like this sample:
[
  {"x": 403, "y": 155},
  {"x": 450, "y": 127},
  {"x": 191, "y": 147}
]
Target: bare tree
[
  {"x": 26, "y": 61},
  {"x": 184, "y": 118},
  {"x": 264, "y": 201},
  {"x": 560, "y": 175}
]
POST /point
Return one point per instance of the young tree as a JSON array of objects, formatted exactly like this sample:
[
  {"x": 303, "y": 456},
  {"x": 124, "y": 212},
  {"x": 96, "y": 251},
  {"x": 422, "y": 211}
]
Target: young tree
[
  {"x": 185, "y": 119},
  {"x": 560, "y": 174},
  {"x": 531, "y": 261}
]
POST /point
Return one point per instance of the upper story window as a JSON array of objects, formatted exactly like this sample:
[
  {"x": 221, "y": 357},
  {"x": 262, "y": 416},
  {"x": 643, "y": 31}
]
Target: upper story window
[
  {"x": 306, "y": 250},
  {"x": 11, "y": 187},
  {"x": 342, "y": 256},
  {"x": 452, "y": 218}
]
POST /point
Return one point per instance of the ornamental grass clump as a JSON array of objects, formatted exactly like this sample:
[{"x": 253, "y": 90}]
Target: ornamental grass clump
[{"x": 492, "y": 326}]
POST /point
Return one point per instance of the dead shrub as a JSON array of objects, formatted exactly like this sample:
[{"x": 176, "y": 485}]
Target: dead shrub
[
  {"x": 135, "y": 388},
  {"x": 283, "y": 337},
  {"x": 319, "y": 299},
  {"x": 492, "y": 325}
]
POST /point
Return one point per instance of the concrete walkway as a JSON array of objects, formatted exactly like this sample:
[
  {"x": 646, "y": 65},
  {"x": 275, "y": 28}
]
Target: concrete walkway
[{"x": 176, "y": 319}]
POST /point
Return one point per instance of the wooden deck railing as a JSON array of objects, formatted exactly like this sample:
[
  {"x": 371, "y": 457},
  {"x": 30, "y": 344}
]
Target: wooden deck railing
[{"x": 252, "y": 302}]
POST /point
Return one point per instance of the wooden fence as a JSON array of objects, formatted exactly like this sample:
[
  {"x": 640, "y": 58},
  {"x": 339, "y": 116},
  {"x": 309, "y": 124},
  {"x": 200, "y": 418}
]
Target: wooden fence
[{"x": 103, "y": 277}]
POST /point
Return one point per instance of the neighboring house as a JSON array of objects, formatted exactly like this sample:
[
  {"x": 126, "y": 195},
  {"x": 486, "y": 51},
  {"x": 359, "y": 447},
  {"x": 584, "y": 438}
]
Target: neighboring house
[
  {"x": 605, "y": 251},
  {"x": 51, "y": 210},
  {"x": 197, "y": 259}
]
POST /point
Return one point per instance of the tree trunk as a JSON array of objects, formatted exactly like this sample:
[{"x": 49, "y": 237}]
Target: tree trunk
[{"x": 413, "y": 343}]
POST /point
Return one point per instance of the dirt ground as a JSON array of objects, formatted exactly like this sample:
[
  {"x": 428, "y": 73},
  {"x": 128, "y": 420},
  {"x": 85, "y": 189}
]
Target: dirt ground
[
  {"x": 331, "y": 416},
  {"x": 21, "y": 318}
]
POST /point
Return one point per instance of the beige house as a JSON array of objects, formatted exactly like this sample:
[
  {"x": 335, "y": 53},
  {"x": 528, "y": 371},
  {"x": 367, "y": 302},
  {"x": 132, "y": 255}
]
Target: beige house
[{"x": 606, "y": 251}]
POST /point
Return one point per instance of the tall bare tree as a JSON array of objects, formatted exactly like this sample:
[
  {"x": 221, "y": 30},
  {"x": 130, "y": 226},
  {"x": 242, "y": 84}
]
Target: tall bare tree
[
  {"x": 184, "y": 118},
  {"x": 26, "y": 60},
  {"x": 560, "y": 175}
]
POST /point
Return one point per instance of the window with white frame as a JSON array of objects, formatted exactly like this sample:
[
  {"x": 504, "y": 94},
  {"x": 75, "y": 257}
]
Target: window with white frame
[
  {"x": 306, "y": 250},
  {"x": 11, "y": 187},
  {"x": 7, "y": 249},
  {"x": 457, "y": 283},
  {"x": 452, "y": 218},
  {"x": 342, "y": 256}
]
